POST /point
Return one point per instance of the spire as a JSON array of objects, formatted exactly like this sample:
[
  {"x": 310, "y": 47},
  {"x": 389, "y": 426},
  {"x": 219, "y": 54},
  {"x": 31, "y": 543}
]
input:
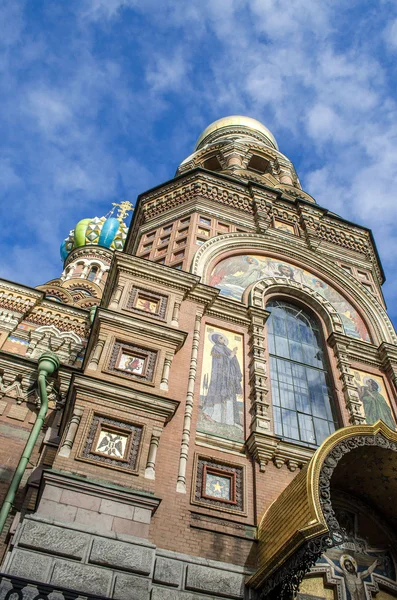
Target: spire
[{"x": 124, "y": 208}]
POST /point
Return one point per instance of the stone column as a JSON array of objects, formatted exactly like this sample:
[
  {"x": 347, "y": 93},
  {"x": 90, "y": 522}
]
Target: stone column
[
  {"x": 96, "y": 355},
  {"x": 151, "y": 459},
  {"x": 71, "y": 432},
  {"x": 166, "y": 372},
  {"x": 388, "y": 357},
  {"x": 181, "y": 483},
  {"x": 116, "y": 297},
  {"x": 85, "y": 271},
  {"x": 175, "y": 314},
  {"x": 340, "y": 345}
]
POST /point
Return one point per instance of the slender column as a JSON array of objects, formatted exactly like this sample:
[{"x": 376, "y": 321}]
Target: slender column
[
  {"x": 175, "y": 314},
  {"x": 181, "y": 483},
  {"x": 118, "y": 290},
  {"x": 340, "y": 345},
  {"x": 166, "y": 372},
  {"x": 99, "y": 276},
  {"x": 71, "y": 432},
  {"x": 96, "y": 355},
  {"x": 84, "y": 271},
  {"x": 151, "y": 459},
  {"x": 258, "y": 368}
]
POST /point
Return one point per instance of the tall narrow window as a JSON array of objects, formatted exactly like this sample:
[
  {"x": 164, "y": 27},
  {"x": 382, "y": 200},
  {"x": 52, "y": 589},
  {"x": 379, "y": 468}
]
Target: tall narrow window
[
  {"x": 302, "y": 398},
  {"x": 92, "y": 274}
]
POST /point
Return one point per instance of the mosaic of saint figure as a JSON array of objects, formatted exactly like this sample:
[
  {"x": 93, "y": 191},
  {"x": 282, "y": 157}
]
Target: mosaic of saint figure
[
  {"x": 374, "y": 403},
  {"x": 354, "y": 579},
  {"x": 220, "y": 403}
]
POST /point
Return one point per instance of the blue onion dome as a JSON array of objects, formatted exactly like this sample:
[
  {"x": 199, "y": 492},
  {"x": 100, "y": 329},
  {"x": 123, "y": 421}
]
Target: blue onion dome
[{"x": 107, "y": 232}]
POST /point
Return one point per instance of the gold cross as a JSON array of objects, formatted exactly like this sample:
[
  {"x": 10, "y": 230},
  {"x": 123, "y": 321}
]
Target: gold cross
[{"x": 124, "y": 208}]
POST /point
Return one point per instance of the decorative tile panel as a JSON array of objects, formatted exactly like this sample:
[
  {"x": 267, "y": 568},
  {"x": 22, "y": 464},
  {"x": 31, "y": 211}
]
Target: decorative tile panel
[
  {"x": 112, "y": 443},
  {"x": 144, "y": 301},
  {"x": 219, "y": 485},
  {"x": 132, "y": 361}
]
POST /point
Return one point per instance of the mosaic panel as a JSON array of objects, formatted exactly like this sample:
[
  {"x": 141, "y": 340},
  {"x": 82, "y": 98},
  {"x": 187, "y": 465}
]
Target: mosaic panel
[
  {"x": 142, "y": 301},
  {"x": 234, "y": 274},
  {"x": 219, "y": 485},
  {"x": 374, "y": 397},
  {"x": 133, "y": 361},
  {"x": 221, "y": 388},
  {"x": 112, "y": 443},
  {"x": 284, "y": 226}
]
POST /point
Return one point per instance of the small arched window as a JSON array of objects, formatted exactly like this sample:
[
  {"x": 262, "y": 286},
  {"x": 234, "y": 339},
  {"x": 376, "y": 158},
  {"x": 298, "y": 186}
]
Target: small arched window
[
  {"x": 92, "y": 274},
  {"x": 300, "y": 383}
]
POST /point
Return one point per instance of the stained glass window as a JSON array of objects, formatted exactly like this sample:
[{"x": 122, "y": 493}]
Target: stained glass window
[{"x": 301, "y": 392}]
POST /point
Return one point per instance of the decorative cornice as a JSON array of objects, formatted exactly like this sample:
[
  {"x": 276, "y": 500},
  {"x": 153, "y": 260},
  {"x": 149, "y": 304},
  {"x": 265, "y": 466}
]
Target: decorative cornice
[
  {"x": 146, "y": 270},
  {"x": 160, "y": 407},
  {"x": 101, "y": 490},
  {"x": 140, "y": 327}
]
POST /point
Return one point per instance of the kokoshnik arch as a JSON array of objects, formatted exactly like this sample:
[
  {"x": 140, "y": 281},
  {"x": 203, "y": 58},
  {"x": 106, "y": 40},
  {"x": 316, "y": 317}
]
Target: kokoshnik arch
[{"x": 222, "y": 421}]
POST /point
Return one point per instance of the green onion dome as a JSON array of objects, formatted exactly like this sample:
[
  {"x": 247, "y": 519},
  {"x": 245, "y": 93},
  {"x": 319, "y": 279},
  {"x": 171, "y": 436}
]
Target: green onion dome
[{"x": 107, "y": 232}]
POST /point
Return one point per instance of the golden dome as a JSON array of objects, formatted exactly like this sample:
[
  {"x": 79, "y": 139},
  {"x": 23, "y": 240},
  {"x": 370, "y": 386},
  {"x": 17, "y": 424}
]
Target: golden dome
[{"x": 237, "y": 120}]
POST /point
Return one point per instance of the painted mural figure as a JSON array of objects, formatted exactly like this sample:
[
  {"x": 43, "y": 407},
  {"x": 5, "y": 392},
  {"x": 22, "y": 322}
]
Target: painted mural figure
[
  {"x": 235, "y": 274},
  {"x": 375, "y": 405},
  {"x": 354, "y": 579},
  {"x": 220, "y": 403}
]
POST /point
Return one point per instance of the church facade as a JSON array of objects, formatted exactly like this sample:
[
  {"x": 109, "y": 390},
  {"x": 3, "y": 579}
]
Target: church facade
[{"x": 203, "y": 406}]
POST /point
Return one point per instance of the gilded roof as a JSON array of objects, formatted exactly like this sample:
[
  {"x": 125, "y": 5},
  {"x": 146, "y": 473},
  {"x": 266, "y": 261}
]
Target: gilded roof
[{"x": 237, "y": 120}]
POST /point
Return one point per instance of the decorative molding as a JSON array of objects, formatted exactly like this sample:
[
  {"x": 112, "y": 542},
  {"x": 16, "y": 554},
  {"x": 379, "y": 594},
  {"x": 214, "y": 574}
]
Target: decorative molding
[
  {"x": 265, "y": 448},
  {"x": 103, "y": 491},
  {"x": 152, "y": 405},
  {"x": 258, "y": 373},
  {"x": 340, "y": 345}
]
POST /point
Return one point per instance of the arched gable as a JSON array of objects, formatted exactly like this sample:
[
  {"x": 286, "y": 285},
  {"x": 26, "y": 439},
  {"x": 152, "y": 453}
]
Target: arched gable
[{"x": 212, "y": 252}]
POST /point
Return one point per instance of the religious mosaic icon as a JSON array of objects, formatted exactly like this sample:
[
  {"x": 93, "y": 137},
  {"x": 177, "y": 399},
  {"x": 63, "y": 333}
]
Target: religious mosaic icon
[
  {"x": 221, "y": 389},
  {"x": 234, "y": 274},
  {"x": 373, "y": 395},
  {"x": 362, "y": 565},
  {"x": 111, "y": 443}
]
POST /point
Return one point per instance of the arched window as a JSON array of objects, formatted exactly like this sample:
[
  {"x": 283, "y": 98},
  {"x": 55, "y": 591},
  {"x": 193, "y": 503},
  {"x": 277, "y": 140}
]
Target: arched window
[
  {"x": 301, "y": 393},
  {"x": 92, "y": 274}
]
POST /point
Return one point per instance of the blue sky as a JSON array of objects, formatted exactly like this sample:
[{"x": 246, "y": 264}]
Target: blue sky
[{"x": 102, "y": 99}]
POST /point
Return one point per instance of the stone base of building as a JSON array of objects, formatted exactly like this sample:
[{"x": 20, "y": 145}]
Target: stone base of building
[{"x": 116, "y": 566}]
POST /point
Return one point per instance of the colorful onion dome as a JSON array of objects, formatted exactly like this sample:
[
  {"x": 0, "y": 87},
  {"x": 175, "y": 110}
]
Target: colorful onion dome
[{"x": 107, "y": 232}]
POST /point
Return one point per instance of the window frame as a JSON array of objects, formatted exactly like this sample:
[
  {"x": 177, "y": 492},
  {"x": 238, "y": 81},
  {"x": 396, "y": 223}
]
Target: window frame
[{"x": 327, "y": 369}]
